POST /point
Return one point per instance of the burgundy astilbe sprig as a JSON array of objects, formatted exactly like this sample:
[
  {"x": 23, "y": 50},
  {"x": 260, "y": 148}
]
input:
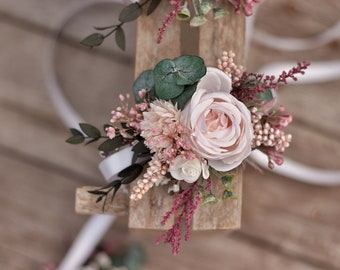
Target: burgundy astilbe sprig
[
  {"x": 246, "y": 6},
  {"x": 252, "y": 84},
  {"x": 187, "y": 203},
  {"x": 299, "y": 69},
  {"x": 169, "y": 18}
]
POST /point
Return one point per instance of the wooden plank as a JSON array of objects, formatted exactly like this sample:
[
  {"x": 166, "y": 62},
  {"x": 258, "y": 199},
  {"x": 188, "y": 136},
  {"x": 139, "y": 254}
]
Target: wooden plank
[
  {"x": 300, "y": 219},
  {"x": 85, "y": 203},
  {"x": 218, "y": 250},
  {"x": 215, "y": 37},
  {"x": 227, "y": 33},
  {"x": 147, "y": 213},
  {"x": 37, "y": 216}
]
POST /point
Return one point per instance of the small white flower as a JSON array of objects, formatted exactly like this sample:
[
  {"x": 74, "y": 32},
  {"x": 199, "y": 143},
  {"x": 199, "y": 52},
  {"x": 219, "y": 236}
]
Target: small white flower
[{"x": 188, "y": 170}]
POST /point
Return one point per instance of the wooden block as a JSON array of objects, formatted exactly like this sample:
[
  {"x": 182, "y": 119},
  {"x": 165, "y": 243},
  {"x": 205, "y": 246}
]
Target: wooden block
[
  {"x": 227, "y": 33},
  {"x": 86, "y": 203}
]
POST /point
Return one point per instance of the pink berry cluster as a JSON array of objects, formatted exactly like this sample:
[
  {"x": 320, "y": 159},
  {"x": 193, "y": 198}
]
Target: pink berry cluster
[
  {"x": 155, "y": 172},
  {"x": 269, "y": 136},
  {"x": 227, "y": 65}
]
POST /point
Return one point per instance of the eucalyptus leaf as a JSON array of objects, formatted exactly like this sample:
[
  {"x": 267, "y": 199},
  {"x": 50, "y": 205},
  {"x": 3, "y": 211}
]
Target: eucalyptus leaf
[
  {"x": 111, "y": 144},
  {"x": 182, "y": 99},
  {"x": 190, "y": 69},
  {"x": 75, "y": 139},
  {"x": 130, "y": 13},
  {"x": 93, "y": 40},
  {"x": 120, "y": 38},
  {"x": 144, "y": 81},
  {"x": 152, "y": 7},
  {"x": 166, "y": 86},
  {"x": 90, "y": 130}
]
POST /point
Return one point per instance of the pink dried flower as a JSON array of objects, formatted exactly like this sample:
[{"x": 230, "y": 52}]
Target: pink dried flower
[
  {"x": 187, "y": 203},
  {"x": 163, "y": 131},
  {"x": 169, "y": 18},
  {"x": 111, "y": 132},
  {"x": 126, "y": 120}
]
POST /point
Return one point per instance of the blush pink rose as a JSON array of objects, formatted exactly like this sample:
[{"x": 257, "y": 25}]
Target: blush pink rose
[{"x": 220, "y": 126}]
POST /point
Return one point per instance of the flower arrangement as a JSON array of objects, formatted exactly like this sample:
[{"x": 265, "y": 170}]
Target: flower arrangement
[{"x": 190, "y": 124}]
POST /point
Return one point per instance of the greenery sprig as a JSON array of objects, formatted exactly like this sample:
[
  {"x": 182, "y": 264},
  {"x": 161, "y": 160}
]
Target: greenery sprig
[
  {"x": 90, "y": 134},
  {"x": 128, "y": 14},
  {"x": 127, "y": 175}
]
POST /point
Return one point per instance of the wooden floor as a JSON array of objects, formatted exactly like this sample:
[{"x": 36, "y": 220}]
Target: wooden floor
[{"x": 286, "y": 224}]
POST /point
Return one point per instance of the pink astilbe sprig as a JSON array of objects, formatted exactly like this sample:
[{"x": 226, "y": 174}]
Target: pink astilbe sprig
[
  {"x": 186, "y": 202},
  {"x": 169, "y": 18},
  {"x": 247, "y": 6},
  {"x": 126, "y": 120}
]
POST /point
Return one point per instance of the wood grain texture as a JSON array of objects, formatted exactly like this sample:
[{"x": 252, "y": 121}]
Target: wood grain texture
[
  {"x": 86, "y": 203},
  {"x": 215, "y": 37},
  {"x": 227, "y": 33}
]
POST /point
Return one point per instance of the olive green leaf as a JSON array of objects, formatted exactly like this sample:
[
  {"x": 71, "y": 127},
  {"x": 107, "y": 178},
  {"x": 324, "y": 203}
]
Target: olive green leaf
[
  {"x": 120, "y": 38},
  {"x": 93, "y": 40},
  {"x": 130, "y": 13},
  {"x": 111, "y": 144},
  {"x": 90, "y": 130}
]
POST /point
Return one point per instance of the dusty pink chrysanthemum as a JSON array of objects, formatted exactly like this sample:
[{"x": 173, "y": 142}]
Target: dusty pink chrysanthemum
[{"x": 159, "y": 125}]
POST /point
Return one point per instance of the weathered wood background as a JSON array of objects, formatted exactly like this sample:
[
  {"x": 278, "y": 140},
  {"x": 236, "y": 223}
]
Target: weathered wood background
[{"x": 285, "y": 224}]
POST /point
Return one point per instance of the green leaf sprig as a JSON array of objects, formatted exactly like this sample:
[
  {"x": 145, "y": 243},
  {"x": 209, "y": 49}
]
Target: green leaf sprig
[
  {"x": 174, "y": 80},
  {"x": 128, "y": 14},
  {"x": 92, "y": 134},
  {"x": 126, "y": 176}
]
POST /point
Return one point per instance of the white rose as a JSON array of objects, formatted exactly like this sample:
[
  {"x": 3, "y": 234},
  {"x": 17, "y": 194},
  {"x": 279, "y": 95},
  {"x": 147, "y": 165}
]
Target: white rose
[
  {"x": 220, "y": 126},
  {"x": 188, "y": 170}
]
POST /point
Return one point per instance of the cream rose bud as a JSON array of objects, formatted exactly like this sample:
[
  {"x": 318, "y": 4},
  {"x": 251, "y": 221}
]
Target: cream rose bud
[
  {"x": 188, "y": 170},
  {"x": 220, "y": 126}
]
